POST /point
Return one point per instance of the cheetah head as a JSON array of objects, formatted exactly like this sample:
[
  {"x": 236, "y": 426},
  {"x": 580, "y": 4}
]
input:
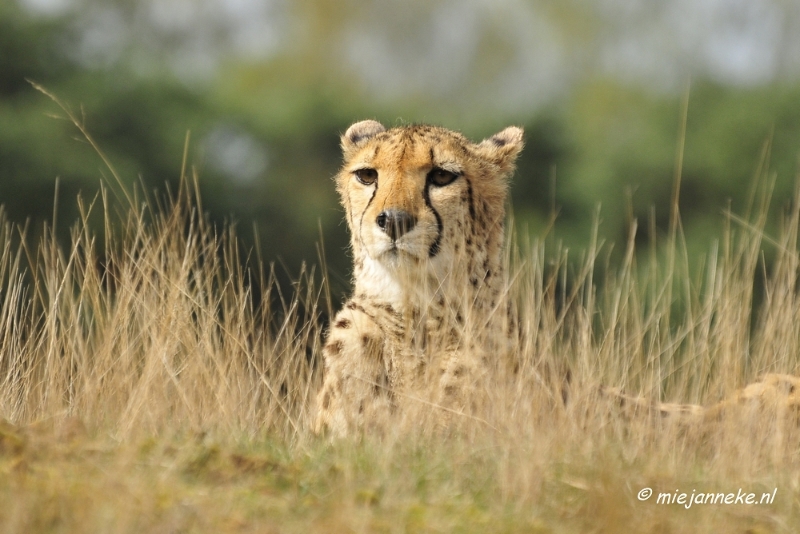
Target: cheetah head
[{"x": 424, "y": 199}]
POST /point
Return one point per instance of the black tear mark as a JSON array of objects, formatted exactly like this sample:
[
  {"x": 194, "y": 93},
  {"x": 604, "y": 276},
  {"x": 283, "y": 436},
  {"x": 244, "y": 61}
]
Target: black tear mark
[
  {"x": 436, "y": 245},
  {"x": 361, "y": 221},
  {"x": 470, "y": 199},
  {"x": 434, "y": 249}
]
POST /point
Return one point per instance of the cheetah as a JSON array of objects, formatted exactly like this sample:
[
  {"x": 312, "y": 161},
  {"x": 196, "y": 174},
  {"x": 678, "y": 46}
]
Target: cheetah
[
  {"x": 425, "y": 208},
  {"x": 774, "y": 393}
]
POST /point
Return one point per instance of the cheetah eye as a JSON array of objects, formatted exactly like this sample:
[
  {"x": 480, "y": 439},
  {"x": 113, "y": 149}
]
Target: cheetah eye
[
  {"x": 440, "y": 177},
  {"x": 366, "y": 176}
]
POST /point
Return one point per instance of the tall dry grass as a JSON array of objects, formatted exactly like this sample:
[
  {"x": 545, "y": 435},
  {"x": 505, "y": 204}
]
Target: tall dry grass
[
  {"x": 157, "y": 325},
  {"x": 151, "y": 325}
]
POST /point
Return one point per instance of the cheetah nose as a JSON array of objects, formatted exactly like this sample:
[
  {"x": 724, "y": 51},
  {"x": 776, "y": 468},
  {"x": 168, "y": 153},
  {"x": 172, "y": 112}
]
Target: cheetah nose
[{"x": 395, "y": 223}]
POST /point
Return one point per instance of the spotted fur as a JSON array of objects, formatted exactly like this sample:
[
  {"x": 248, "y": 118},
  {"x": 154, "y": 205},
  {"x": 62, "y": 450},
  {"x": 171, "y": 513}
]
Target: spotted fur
[
  {"x": 774, "y": 394},
  {"x": 425, "y": 208}
]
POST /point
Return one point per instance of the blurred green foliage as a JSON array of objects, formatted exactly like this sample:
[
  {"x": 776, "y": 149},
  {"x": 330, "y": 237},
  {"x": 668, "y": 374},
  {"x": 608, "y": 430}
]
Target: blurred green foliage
[
  {"x": 264, "y": 140},
  {"x": 622, "y": 145}
]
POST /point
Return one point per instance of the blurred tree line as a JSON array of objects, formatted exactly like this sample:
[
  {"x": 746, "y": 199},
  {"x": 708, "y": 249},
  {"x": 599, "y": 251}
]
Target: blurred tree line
[{"x": 265, "y": 114}]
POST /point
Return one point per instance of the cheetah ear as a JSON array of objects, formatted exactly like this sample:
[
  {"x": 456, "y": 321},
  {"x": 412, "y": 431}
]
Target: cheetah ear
[
  {"x": 503, "y": 148},
  {"x": 358, "y": 134}
]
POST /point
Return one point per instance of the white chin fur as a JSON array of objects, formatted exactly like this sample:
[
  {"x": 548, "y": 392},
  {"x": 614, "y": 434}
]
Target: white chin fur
[
  {"x": 399, "y": 277},
  {"x": 378, "y": 278},
  {"x": 399, "y": 253}
]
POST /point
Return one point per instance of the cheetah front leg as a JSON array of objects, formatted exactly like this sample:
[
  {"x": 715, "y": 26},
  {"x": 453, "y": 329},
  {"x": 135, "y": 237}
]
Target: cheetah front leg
[
  {"x": 462, "y": 385},
  {"x": 355, "y": 392}
]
